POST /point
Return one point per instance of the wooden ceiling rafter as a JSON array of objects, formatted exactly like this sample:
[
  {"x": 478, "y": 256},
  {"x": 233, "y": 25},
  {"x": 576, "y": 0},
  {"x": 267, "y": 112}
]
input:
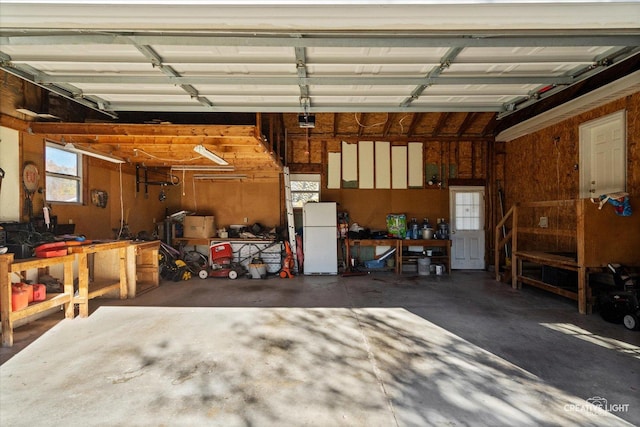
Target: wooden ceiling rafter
[
  {"x": 388, "y": 124},
  {"x": 414, "y": 123},
  {"x": 361, "y": 123},
  {"x": 466, "y": 123},
  {"x": 442, "y": 121}
]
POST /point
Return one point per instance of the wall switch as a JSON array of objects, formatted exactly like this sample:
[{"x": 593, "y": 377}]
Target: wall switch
[
  {"x": 70, "y": 221},
  {"x": 544, "y": 222},
  {"x": 246, "y": 220}
]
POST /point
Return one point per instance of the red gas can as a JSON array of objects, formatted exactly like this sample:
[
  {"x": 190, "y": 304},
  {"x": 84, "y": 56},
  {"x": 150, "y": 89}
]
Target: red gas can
[
  {"x": 19, "y": 299},
  {"x": 39, "y": 292},
  {"x": 25, "y": 287}
]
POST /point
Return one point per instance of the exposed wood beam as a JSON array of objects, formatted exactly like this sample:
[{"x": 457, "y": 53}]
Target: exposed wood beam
[
  {"x": 414, "y": 122},
  {"x": 387, "y": 125},
  {"x": 466, "y": 123},
  {"x": 193, "y": 131},
  {"x": 442, "y": 120}
]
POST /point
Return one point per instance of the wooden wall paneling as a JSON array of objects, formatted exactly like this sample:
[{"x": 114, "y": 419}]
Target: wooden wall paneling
[
  {"x": 399, "y": 167},
  {"x": 415, "y": 164},
  {"x": 316, "y": 150},
  {"x": 383, "y": 164},
  {"x": 365, "y": 165}
]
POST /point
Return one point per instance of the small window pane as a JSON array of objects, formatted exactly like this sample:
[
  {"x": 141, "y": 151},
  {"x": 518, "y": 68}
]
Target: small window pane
[
  {"x": 299, "y": 199},
  {"x": 305, "y": 186},
  {"x": 63, "y": 171},
  {"x": 467, "y": 212},
  {"x": 61, "y": 162},
  {"x": 62, "y": 189}
]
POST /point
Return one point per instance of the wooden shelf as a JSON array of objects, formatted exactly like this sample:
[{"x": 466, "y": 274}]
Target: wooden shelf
[
  {"x": 443, "y": 247},
  {"x": 65, "y": 298},
  {"x": 392, "y": 243}
]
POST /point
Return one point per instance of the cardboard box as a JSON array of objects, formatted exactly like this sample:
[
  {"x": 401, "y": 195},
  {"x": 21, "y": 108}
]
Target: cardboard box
[{"x": 199, "y": 226}]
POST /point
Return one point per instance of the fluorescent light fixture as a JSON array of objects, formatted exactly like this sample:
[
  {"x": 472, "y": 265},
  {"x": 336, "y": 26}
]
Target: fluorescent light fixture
[
  {"x": 92, "y": 153},
  {"x": 229, "y": 168},
  {"x": 31, "y": 113},
  {"x": 215, "y": 177},
  {"x": 200, "y": 149}
]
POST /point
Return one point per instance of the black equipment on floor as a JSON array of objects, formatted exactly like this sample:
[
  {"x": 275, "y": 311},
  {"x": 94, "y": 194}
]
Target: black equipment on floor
[{"x": 622, "y": 304}]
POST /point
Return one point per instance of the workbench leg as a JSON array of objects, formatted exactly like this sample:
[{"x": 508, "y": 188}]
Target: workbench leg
[
  {"x": 69, "y": 308},
  {"x": 83, "y": 285},
  {"x": 122, "y": 252},
  {"x": 516, "y": 268},
  {"x": 5, "y": 301},
  {"x": 582, "y": 290}
]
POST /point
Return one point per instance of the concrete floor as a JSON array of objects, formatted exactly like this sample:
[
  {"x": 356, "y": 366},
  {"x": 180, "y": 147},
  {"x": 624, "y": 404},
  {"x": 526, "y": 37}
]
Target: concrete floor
[{"x": 377, "y": 350}]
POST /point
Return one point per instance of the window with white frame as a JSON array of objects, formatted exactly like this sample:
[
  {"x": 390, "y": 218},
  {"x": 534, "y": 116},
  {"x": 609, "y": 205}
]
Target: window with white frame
[
  {"x": 63, "y": 170},
  {"x": 304, "y": 188}
]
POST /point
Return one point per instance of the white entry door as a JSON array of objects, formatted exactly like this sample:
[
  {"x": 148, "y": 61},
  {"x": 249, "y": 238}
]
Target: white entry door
[
  {"x": 603, "y": 153},
  {"x": 467, "y": 228}
]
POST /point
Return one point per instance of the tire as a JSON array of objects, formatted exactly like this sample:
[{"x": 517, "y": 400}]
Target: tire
[
  {"x": 631, "y": 322},
  {"x": 233, "y": 275},
  {"x": 203, "y": 274}
]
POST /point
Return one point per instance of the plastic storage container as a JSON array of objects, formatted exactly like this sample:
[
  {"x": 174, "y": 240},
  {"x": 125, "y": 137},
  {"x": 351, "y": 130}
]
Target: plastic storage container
[{"x": 424, "y": 266}]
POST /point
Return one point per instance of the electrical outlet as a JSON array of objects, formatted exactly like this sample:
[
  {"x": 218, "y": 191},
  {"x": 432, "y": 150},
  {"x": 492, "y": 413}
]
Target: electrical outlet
[
  {"x": 70, "y": 221},
  {"x": 544, "y": 222},
  {"x": 246, "y": 220}
]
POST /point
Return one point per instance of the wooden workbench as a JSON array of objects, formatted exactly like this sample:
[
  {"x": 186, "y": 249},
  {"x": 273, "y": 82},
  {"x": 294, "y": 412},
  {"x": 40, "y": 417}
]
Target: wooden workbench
[
  {"x": 443, "y": 246},
  {"x": 65, "y": 298},
  {"x": 143, "y": 273},
  {"x": 109, "y": 272}
]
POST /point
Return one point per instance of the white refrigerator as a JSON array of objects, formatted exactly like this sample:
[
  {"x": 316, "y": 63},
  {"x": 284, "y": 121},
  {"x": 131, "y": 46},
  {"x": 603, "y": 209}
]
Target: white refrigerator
[{"x": 320, "y": 232}]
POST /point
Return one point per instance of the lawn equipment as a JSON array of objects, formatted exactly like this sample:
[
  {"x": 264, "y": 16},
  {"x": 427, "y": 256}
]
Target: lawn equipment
[
  {"x": 171, "y": 266},
  {"x": 288, "y": 263},
  {"x": 621, "y": 305},
  {"x": 221, "y": 263}
]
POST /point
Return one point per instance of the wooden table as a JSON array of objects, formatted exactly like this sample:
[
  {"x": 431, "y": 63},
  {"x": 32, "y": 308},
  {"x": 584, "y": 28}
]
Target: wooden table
[
  {"x": 433, "y": 244},
  {"x": 109, "y": 271},
  {"x": 393, "y": 243},
  {"x": 65, "y": 298},
  {"x": 143, "y": 272}
]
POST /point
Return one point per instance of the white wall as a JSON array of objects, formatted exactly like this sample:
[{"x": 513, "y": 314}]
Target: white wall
[{"x": 10, "y": 186}]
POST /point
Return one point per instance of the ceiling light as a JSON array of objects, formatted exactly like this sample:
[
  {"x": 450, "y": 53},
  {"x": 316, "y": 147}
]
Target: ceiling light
[
  {"x": 229, "y": 168},
  {"x": 200, "y": 149},
  {"x": 31, "y": 113},
  {"x": 211, "y": 176},
  {"x": 92, "y": 153}
]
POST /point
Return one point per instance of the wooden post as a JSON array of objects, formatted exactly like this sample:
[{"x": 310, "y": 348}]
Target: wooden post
[
  {"x": 5, "y": 300},
  {"x": 69, "y": 308},
  {"x": 516, "y": 264},
  {"x": 83, "y": 285}
]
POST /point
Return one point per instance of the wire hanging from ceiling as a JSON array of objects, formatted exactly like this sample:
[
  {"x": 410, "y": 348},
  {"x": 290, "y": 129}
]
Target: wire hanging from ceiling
[{"x": 370, "y": 126}]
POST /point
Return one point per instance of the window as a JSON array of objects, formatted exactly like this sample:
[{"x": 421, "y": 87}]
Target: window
[
  {"x": 304, "y": 188},
  {"x": 63, "y": 171},
  {"x": 468, "y": 214}
]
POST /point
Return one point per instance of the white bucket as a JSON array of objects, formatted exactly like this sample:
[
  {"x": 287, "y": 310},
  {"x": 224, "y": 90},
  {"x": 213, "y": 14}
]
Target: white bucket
[
  {"x": 424, "y": 266},
  {"x": 258, "y": 271}
]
